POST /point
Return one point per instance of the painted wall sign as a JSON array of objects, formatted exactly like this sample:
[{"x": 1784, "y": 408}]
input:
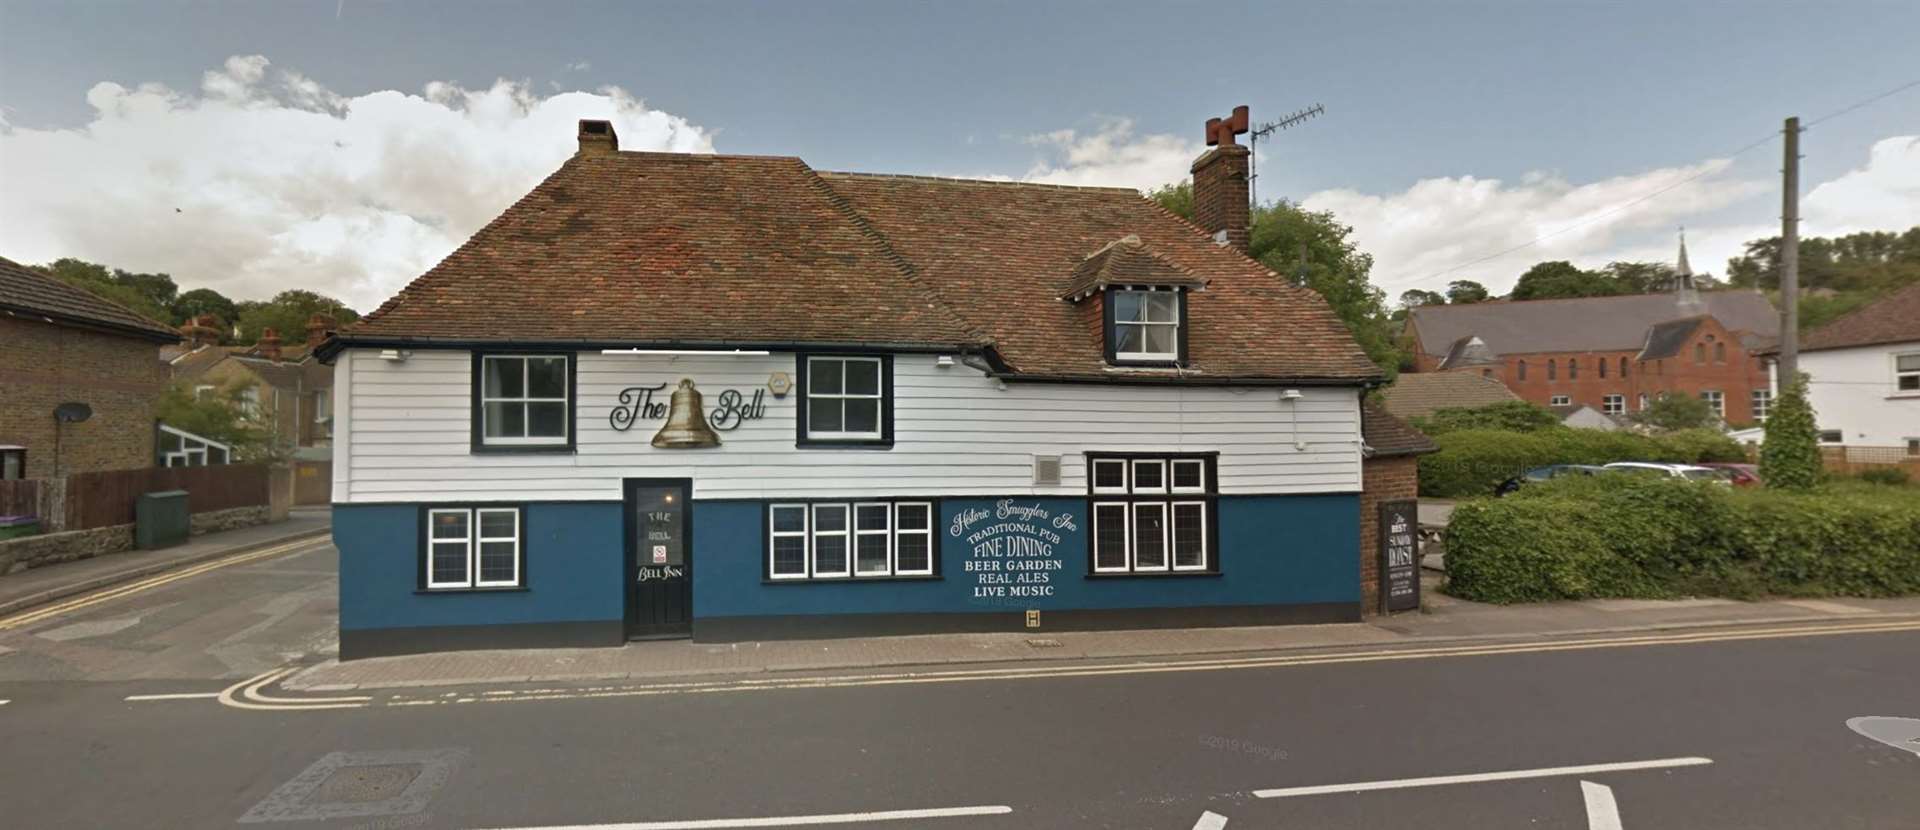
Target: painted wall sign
[
  {"x": 731, "y": 408},
  {"x": 1014, "y": 549},
  {"x": 1400, "y": 556}
]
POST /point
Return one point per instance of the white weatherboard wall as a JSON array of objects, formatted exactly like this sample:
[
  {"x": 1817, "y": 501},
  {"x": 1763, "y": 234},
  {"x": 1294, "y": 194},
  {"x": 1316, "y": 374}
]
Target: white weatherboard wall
[
  {"x": 404, "y": 434},
  {"x": 1852, "y": 390}
]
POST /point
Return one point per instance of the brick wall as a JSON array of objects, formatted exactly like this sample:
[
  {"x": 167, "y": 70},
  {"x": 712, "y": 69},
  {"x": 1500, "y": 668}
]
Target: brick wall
[
  {"x": 1381, "y": 480},
  {"x": 47, "y": 365}
]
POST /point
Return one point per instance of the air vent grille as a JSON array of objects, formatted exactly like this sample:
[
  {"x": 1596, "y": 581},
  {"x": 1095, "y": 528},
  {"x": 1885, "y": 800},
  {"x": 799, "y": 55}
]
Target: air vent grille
[{"x": 1046, "y": 469}]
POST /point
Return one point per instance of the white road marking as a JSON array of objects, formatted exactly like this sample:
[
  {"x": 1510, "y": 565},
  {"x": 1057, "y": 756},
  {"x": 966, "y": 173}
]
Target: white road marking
[
  {"x": 5, "y": 702},
  {"x": 1210, "y": 820},
  {"x": 176, "y": 696},
  {"x": 1481, "y": 777},
  {"x": 1602, "y": 812},
  {"x": 1899, "y": 733},
  {"x": 786, "y": 821}
]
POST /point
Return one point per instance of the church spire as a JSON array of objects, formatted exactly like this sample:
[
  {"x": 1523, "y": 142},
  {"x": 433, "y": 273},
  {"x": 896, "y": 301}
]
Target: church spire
[
  {"x": 1681, "y": 268},
  {"x": 1685, "y": 292}
]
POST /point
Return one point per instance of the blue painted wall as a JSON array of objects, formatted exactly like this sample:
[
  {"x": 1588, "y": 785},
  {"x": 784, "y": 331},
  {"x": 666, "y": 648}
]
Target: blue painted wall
[
  {"x": 1274, "y": 550},
  {"x": 574, "y": 570}
]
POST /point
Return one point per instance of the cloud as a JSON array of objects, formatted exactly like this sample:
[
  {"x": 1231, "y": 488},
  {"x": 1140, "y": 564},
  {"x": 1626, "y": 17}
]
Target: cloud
[
  {"x": 1883, "y": 195},
  {"x": 265, "y": 179},
  {"x": 579, "y": 66},
  {"x": 1111, "y": 156}
]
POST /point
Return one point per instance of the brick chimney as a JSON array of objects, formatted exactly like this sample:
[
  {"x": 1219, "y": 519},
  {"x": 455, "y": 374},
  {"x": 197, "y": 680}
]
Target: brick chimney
[
  {"x": 203, "y": 330},
  {"x": 1220, "y": 184},
  {"x": 317, "y": 327},
  {"x": 598, "y": 137},
  {"x": 269, "y": 344}
]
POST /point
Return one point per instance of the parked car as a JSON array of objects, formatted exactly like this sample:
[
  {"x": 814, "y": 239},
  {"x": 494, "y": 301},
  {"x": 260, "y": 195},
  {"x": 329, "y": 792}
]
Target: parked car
[
  {"x": 1742, "y": 475},
  {"x": 1550, "y": 471},
  {"x": 1691, "y": 472}
]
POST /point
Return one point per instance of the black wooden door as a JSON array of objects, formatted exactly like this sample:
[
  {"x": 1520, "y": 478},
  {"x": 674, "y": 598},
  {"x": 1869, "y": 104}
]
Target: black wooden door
[{"x": 661, "y": 550}]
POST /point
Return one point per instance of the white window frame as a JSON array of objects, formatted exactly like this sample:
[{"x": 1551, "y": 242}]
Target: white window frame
[
  {"x": 1126, "y": 537},
  {"x": 1716, "y": 400},
  {"x": 885, "y": 533},
  {"x": 526, "y": 399},
  {"x": 465, "y": 542},
  {"x": 1761, "y": 401},
  {"x": 803, "y": 534},
  {"x": 204, "y": 392},
  {"x": 1614, "y": 404},
  {"x": 1173, "y": 470},
  {"x": 1173, "y": 535},
  {"x": 1560, "y": 400},
  {"x": 470, "y": 544},
  {"x": 1133, "y": 471},
  {"x": 1166, "y": 498},
  {"x": 1644, "y": 400},
  {"x": 879, "y": 397},
  {"x": 1093, "y": 479},
  {"x": 932, "y": 552},
  {"x": 845, "y": 533},
  {"x": 1893, "y": 363},
  {"x": 1166, "y": 530},
  {"x": 480, "y": 539},
  {"x": 1146, "y": 304},
  {"x": 322, "y": 411}
]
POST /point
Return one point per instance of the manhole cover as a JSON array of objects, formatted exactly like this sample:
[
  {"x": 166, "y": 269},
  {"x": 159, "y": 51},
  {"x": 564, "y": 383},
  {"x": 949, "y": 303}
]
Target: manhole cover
[
  {"x": 1044, "y": 643},
  {"x": 358, "y": 785}
]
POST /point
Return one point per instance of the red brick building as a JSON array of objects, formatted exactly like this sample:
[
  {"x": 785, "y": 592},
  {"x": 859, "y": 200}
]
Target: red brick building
[
  {"x": 60, "y": 344},
  {"x": 1614, "y": 354}
]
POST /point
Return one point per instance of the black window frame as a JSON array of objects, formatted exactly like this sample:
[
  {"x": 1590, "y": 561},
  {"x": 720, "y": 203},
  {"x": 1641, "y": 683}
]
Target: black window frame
[
  {"x": 853, "y": 574},
  {"x": 423, "y": 583},
  {"x": 802, "y": 440},
  {"x": 1209, "y": 497},
  {"x": 1107, "y": 326},
  {"x": 477, "y": 427}
]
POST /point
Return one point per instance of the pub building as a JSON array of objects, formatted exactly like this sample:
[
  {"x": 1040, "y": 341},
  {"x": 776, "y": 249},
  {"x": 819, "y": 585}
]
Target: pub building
[{"x": 737, "y": 398}]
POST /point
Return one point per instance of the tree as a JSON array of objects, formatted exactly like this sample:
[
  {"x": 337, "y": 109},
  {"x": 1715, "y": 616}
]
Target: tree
[
  {"x": 1790, "y": 452},
  {"x": 223, "y": 417},
  {"x": 1552, "y": 280},
  {"x": 1512, "y": 416},
  {"x": 287, "y": 314},
  {"x": 1671, "y": 413},
  {"x": 1313, "y": 249},
  {"x": 1641, "y": 277},
  {"x": 1462, "y": 292},
  {"x": 146, "y": 294},
  {"x": 200, "y": 301},
  {"x": 1417, "y": 297}
]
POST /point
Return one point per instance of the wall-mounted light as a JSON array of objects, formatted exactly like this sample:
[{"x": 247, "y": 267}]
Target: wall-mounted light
[
  {"x": 1290, "y": 395},
  {"x": 944, "y": 361},
  {"x": 395, "y": 355}
]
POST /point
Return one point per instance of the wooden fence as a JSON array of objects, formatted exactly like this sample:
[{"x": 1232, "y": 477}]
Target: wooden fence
[
  {"x": 20, "y": 497},
  {"x": 107, "y": 498}
]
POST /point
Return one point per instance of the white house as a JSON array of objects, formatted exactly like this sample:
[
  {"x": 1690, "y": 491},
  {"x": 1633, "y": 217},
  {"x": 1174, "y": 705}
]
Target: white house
[{"x": 1864, "y": 375}]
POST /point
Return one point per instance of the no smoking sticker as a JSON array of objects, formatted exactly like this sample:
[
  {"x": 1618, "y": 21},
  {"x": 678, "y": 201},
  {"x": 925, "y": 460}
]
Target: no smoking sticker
[{"x": 659, "y": 554}]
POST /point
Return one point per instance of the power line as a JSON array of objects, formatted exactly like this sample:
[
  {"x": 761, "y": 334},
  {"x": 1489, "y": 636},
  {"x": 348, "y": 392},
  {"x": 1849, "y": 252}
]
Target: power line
[{"x": 1640, "y": 199}]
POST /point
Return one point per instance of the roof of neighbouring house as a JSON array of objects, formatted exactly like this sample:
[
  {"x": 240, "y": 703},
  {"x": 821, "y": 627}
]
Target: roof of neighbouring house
[
  {"x": 676, "y": 250},
  {"x": 1387, "y": 435},
  {"x": 1468, "y": 351},
  {"x": 1414, "y": 394},
  {"x": 1583, "y": 324},
  {"x": 27, "y": 293},
  {"x": 1894, "y": 318}
]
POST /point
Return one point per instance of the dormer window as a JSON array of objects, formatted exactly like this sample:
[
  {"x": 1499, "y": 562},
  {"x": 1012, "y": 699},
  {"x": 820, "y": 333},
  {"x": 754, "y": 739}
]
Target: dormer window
[{"x": 1145, "y": 325}]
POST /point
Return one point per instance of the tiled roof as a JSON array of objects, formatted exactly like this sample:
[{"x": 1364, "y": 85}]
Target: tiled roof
[
  {"x": 1468, "y": 351},
  {"x": 1667, "y": 339},
  {"x": 1894, "y": 318},
  {"x": 1585, "y": 324},
  {"x": 1387, "y": 435},
  {"x": 1127, "y": 261},
  {"x": 1422, "y": 393},
  {"x": 664, "y": 248},
  {"x": 29, "y": 293}
]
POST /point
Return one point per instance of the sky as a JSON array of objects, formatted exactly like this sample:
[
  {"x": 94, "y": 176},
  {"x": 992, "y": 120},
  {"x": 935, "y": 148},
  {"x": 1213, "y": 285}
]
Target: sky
[{"x": 346, "y": 146}]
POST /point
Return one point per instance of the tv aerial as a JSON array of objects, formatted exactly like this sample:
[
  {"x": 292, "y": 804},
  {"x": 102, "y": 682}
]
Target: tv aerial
[{"x": 1264, "y": 130}]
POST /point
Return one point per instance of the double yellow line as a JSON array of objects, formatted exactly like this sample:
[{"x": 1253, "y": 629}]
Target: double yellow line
[{"x": 45, "y": 612}]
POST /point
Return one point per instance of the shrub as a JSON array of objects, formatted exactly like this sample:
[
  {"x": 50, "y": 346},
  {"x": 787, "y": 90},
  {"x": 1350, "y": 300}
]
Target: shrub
[
  {"x": 1472, "y": 462},
  {"x": 1885, "y": 475},
  {"x": 1697, "y": 445},
  {"x": 1515, "y": 416},
  {"x": 1661, "y": 537},
  {"x": 1790, "y": 452}
]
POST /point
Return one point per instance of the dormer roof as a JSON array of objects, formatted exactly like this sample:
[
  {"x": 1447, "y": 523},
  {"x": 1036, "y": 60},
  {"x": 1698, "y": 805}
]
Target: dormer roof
[{"x": 1127, "y": 261}]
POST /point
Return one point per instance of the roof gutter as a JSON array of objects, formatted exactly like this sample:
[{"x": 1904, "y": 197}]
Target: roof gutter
[
  {"x": 336, "y": 343},
  {"x": 162, "y": 336}
]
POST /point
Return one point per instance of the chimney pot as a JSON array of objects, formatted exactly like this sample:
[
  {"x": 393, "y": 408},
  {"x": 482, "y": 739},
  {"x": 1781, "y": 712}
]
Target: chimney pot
[
  {"x": 597, "y": 137},
  {"x": 1220, "y": 183},
  {"x": 269, "y": 344}
]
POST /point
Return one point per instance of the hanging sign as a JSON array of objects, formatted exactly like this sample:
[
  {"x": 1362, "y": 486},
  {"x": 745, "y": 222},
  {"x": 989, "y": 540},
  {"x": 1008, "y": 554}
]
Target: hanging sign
[
  {"x": 1400, "y": 556},
  {"x": 731, "y": 408}
]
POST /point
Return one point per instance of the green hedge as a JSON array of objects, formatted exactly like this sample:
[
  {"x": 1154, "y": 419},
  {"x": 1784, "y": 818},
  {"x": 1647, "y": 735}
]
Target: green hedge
[
  {"x": 1656, "y": 538},
  {"x": 1471, "y": 462}
]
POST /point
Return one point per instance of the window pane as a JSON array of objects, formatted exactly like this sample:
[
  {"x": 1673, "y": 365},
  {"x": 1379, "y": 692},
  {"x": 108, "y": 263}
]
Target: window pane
[
  {"x": 547, "y": 377},
  {"x": 1149, "y": 536},
  {"x": 829, "y": 554},
  {"x": 913, "y": 517},
  {"x": 863, "y": 415},
  {"x": 1163, "y": 307},
  {"x": 499, "y": 524},
  {"x": 790, "y": 555},
  {"x": 1126, "y": 338},
  {"x": 870, "y": 517},
  {"x": 1110, "y": 474},
  {"x": 502, "y": 377},
  {"x": 789, "y": 519},
  {"x": 449, "y": 562},
  {"x": 1148, "y": 475},
  {"x": 505, "y": 420},
  {"x": 547, "y": 420},
  {"x": 824, "y": 415},
  {"x": 1110, "y": 536},
  {"x": 1909, "y": 383},
  {"x": 829, "y": 518},
  {"x": 496, "y": 561},
  {"x": 1908, "y": 362},
  {"x": 1189, "y": 535},
  {"x": 1187, "y": 475},
  {"x": 824, "y": 375},
  {"x": 863, "y": 377},
  {"x": 1160, "y": 340},
  {"x": 450, "y": 525},
  {"x": 872, "y": 551},
  {"x": 1127, "y": 306},
  {"x": 911, "y": 551}
]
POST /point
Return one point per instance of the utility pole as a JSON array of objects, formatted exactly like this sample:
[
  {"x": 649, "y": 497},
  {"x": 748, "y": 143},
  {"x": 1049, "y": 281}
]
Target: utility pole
[{"x": 1787, "y": 371}]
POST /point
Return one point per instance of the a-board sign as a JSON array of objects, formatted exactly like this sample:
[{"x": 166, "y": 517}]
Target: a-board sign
[{"x": 1400, "y": 556}]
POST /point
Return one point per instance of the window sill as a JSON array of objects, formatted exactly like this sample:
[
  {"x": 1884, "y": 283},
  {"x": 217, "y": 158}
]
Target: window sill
[
  {"x": 1152, "y": 574},
  {"x": 828, "y": 580},
  {"x": 501, "y": 589},
  {"x": 551, "y": 449},
  {"x": 852, "y": 444}
]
